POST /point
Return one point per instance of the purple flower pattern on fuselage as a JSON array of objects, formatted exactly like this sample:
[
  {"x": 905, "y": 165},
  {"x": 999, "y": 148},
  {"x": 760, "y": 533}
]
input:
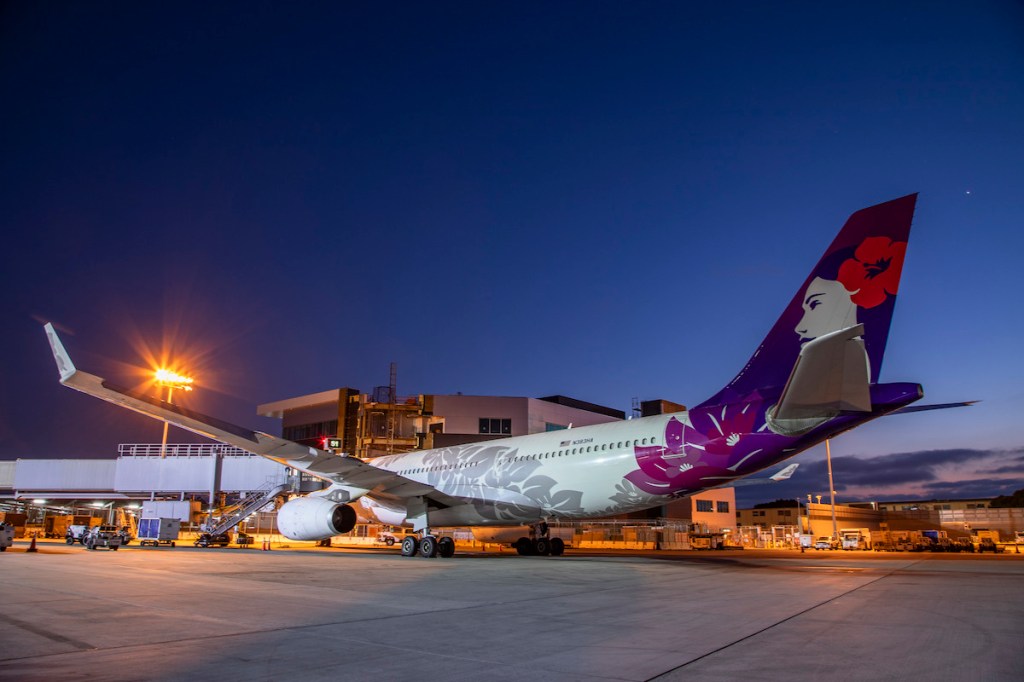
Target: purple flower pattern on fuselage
[{"x": 721, "y": 442}]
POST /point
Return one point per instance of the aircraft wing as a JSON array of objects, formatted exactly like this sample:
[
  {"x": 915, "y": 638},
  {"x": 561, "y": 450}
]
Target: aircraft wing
[{"x": 349, "y": 472}]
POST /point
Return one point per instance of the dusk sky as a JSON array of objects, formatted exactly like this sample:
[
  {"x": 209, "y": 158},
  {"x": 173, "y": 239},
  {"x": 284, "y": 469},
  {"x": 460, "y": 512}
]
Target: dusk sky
[{"x": 602, "y": 200}]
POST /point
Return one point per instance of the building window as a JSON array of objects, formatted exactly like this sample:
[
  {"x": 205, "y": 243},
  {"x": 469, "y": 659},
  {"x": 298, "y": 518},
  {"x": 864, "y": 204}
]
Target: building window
[
  {"x": 723, "y": 507},
  {"x": 549, "y": 427},
  {"x": 705, "y": 506},
  {"x": 496, "y": 426},
  {"x": 310, "y": 431}
]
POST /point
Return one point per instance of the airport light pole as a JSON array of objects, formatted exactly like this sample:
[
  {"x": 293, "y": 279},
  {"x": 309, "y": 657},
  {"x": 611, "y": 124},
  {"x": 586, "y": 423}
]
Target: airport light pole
[
  {"x": 809, "y": 531},
  {"x": 831, "y": 491},
  {"x": 171, "y": 380}
]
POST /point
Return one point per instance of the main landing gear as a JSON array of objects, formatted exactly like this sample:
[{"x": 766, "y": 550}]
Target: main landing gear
[
  {"x": 540, "y": 544},
  {"x": 428, "y": 547}
]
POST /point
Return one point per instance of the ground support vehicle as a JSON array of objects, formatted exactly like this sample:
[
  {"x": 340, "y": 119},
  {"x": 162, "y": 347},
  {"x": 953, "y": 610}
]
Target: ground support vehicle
[
  {"x": 855, "y": 538},
  {"x": 823, "y": 543},
  {"x": 102, "y": 536},
  {"x": 77, "y": 533},
  {"x": 211, "y": 540},
  {"x": 387, "y": 538},
  {"x": 158, "y": 531},
  {"x": 6, "y": 536},
  {"x": 707, "y": 540}
]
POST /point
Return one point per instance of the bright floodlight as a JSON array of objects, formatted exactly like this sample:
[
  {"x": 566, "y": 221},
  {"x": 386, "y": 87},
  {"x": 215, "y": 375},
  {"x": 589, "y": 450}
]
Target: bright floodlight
[{"x": 174, "y": 380}]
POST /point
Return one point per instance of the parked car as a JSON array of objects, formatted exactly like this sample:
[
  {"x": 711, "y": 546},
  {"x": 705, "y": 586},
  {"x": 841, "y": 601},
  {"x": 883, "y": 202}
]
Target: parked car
[{"x": 823, "y": 543}]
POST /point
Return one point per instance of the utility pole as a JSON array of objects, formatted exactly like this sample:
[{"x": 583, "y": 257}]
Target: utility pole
[{"x": 831, "y": 491}]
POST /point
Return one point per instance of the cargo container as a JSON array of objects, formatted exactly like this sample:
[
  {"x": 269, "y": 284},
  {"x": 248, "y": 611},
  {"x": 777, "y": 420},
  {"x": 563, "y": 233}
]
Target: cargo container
[
  {"x": 156, "y": 532},
  {"x": 56, "y": 526}
]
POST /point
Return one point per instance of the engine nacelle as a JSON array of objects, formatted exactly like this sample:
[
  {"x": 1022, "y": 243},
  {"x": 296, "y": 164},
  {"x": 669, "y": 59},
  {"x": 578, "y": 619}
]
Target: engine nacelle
[{"x": 314, "y": 518}]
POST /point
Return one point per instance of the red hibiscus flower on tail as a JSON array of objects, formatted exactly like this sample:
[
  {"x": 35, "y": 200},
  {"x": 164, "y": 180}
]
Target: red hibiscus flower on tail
[{"x": 873, "y": 273}]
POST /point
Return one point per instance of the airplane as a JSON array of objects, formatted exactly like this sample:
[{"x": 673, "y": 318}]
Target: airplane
[{"x": 814, "y": 376}]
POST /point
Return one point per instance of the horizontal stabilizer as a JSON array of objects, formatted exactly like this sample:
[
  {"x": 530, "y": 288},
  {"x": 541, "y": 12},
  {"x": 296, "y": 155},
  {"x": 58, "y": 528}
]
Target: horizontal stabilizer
[
  {"x": 831, "y": 376},
  {"x": 778, "y": 477},
  {"x": 938, "y": 406},
  {"x": 785, "y": 474}
]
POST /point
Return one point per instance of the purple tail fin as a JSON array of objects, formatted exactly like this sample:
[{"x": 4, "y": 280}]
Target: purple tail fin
[{"x": 856, "y": 281}]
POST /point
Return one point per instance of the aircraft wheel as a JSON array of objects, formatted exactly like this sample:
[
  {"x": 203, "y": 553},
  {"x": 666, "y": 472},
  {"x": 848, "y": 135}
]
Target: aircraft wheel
[
  {"x": 446, "y": 547},
  {"x": 428, "y": 547},
  {"x": 542, "y": 546},
  {"x": 410, "y": 545},
  {"x": 524, "y": 547},
  {"x": 557, "y": 547}
]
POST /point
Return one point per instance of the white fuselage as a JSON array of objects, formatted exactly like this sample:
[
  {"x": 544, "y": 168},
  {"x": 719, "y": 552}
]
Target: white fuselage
[{"x": 571, "y": 473}]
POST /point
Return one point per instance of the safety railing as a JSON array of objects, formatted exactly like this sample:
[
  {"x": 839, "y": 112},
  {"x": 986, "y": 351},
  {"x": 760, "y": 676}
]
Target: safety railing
[{"x": 180, "y": 450}]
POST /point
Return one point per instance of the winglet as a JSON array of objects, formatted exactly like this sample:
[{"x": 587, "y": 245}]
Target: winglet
[{"x": 64, "y": 364}]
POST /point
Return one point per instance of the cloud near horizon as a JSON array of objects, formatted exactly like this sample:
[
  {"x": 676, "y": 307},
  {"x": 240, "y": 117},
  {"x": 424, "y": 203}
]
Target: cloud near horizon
[{"x": 923, "y": 474}]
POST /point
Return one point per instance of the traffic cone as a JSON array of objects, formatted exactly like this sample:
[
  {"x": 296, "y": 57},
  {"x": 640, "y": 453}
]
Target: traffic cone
[
  {"x": 264, "y": 548},
  {"x": 32, "y": 547}
]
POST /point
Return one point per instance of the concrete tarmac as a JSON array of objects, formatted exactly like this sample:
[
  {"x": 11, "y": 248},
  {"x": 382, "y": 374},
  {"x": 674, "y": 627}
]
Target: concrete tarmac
[{"x": 67, "y": 613}]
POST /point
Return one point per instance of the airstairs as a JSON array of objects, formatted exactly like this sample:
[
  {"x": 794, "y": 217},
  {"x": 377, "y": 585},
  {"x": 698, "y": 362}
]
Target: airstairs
[{"x": 253, "y": 502}]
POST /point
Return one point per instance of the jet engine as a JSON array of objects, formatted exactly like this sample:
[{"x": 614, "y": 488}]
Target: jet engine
[{"x": 314, "y": 518}]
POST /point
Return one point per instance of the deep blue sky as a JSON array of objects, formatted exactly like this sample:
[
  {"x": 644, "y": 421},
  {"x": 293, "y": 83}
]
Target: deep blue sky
[{"x": 604, "y": 200}]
